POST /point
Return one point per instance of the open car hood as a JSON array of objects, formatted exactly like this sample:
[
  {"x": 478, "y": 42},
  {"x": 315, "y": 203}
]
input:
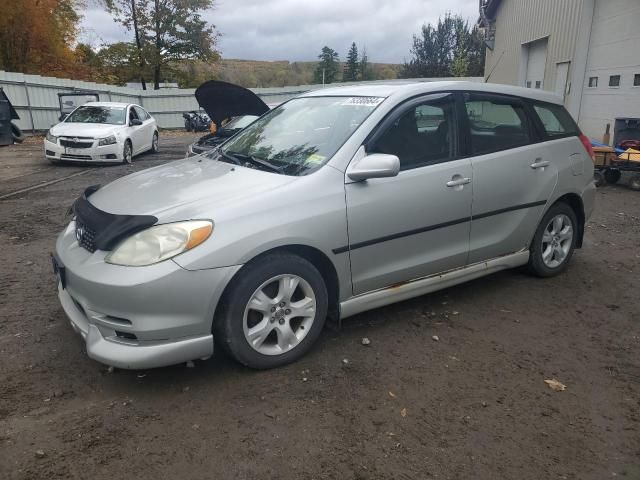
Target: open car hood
[{"x": 223, "y": 100}]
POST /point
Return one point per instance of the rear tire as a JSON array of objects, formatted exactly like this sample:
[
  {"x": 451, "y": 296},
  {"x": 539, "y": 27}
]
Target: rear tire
[
  {"x": 16, "y": 133},
  {"x": 554, "y": 242},
  {"x": 257, "y": 322},
  {"x": 612, "y": 176}
]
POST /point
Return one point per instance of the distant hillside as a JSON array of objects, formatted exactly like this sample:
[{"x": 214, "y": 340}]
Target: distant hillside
[{"x": 255, "y": 73}]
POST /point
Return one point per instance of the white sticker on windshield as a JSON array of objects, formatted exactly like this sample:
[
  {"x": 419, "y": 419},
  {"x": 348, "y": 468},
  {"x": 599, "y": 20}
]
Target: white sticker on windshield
[{"x": 363, "y": 101}]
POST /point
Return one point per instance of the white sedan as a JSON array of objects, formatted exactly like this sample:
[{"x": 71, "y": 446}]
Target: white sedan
[{"x": 102, "y": 132}]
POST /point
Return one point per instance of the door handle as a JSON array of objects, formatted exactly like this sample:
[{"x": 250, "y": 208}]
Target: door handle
[
  {"x": 458, "y": 182},
  {"x": 539, "y": 163}
]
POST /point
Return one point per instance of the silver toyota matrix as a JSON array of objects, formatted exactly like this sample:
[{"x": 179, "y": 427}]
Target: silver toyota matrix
[{"x": 336, "y": 202}]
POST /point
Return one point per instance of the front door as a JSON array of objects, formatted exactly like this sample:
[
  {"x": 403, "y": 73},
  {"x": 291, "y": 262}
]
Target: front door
[
  {"x": 513, "y": 175},
  {"x": 415, "y": 224}
]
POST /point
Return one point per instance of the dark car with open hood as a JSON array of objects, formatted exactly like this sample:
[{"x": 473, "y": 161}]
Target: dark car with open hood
[{"x": 223, "y": 101}]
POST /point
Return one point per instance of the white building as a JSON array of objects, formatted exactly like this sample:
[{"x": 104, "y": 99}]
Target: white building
[{"x": 587, "y": 51}]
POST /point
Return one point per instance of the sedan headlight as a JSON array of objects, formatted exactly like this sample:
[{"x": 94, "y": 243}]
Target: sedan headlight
[
  {"x": 51, "y": 138},
  {"x": 160, "y": 242},
  {"x": 110, "y": 140}
]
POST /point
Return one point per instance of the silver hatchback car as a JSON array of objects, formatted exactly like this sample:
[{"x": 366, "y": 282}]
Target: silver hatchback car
[{"x": 336, "y": 202}]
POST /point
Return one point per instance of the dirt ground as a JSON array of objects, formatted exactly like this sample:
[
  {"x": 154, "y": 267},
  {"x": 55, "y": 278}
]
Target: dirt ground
[{"x": 471, "y": 405}]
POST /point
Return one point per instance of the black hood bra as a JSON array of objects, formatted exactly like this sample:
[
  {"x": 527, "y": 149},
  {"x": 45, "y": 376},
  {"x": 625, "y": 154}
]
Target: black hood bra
[{"x": 99, "y": 230}]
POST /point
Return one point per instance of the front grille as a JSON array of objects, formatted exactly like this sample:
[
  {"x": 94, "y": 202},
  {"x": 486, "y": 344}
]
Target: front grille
[
  {"x": 74, "y": 144},
  {"x": 67, "y": 156},
  {"x": 86, "y": 237}
]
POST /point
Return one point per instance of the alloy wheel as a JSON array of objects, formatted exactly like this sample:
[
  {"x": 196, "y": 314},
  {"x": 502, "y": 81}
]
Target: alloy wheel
[
  {"x": 557, "y": 241},
  {"x": 279, "y": 314}
]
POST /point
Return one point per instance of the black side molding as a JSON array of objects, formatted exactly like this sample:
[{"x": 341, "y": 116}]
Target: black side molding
[{"x": 429, "y": 228}]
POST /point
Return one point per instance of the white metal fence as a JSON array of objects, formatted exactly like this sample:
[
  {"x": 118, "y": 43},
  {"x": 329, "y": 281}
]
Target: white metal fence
[{"x": 35, "y": 98}]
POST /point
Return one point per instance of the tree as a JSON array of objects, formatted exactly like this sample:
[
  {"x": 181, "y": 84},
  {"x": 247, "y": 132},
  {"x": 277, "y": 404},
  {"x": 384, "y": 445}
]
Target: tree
[
  {"x": 327, "y": 69},
  {"x": 448, "y": 49},
  {"x": 366, "y": 73},
  {"x": 35, "y": 36},
  {"x": 167, "y": 32},
  {"x": 352, "y": 66}
]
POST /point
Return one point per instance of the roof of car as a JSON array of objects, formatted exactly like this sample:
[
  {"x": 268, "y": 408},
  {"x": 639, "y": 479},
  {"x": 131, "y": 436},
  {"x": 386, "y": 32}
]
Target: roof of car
[
  {"x": 108, "y": 104},
  {"x": 417, "y": 88}
]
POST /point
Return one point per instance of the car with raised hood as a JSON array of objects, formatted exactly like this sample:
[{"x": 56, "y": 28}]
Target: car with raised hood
[
  {"x": 336, "y": 202},
  {"x": 221, "y": 101},
  {"x": 102, "y": 132}
]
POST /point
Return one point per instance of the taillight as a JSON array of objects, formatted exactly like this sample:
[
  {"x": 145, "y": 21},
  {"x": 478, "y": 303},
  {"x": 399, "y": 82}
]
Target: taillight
[{"x": 587, "y": 146}]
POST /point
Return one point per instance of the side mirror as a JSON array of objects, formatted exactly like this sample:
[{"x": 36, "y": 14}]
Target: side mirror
[
  {"x": 135, "y": 122},
  {"x": 376, "y": 165}
]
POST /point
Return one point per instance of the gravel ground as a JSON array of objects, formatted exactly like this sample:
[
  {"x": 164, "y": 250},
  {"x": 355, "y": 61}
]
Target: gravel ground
[{"x": 451, "y": 385}]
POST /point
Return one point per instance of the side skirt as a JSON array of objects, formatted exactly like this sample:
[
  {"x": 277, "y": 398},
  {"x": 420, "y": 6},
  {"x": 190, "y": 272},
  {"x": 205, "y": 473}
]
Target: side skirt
[{"x": 421, "y": 286}]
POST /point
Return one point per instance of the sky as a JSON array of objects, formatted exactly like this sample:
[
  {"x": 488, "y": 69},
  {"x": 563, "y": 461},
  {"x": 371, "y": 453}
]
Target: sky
[{"x": 296, "y": 30}]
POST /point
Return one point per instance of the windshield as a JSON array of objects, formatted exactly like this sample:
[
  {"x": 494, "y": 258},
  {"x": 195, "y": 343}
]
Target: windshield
[
  {"x": 301, "y": 135},
  {"x": 239, "y": 122},
  {"x": 95, "y": 114}
]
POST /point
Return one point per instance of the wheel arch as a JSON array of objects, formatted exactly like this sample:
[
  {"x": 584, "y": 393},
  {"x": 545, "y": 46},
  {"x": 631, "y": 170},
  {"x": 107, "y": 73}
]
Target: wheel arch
[
  {"x": 313, "y": 255},
  {"x": 575, "y": 202}
]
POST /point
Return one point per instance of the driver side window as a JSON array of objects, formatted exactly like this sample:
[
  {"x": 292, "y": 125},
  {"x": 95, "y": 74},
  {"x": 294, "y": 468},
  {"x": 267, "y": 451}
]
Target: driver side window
[
  {"x": 421, "y": 135},
  {"x": 132, "y": 114}
]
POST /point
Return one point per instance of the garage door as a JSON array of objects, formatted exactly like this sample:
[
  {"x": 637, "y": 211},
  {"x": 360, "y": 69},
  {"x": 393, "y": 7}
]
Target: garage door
[{"x": 536, "y": 61}]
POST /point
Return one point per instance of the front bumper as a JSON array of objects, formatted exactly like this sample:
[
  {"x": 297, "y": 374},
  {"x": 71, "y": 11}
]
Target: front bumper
[
  {"x": 94, "y": 153},
  {"x": 139, "y": 317}
]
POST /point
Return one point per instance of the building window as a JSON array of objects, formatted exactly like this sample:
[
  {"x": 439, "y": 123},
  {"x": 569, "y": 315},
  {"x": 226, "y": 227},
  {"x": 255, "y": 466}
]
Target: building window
[
  {"x": 636, "y": 80},
  {"x": 614, "y": 81},
  {"x": 538, "y": 84},
  {"x": 593, "y": 82},
  {"x": 528, "y": 83}
]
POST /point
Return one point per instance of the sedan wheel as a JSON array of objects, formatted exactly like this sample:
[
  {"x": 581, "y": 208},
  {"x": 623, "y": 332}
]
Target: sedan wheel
[
  {"x": 127, "y": 153},
  {"x": 154, "y": 143},
  {"x": 557, "y": 241}
]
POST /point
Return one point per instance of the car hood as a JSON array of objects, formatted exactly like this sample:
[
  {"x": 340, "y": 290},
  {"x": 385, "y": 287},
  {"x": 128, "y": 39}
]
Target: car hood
[
  {"x": 224, "y": 100},
  {"x": 94, "y": 130},
  {"x": 185, "y": 189}
]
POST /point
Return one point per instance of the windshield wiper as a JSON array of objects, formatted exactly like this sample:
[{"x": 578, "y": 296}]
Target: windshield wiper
[
  {"x": 256, "y": 161},
  {"x": 228, "y": 156}
]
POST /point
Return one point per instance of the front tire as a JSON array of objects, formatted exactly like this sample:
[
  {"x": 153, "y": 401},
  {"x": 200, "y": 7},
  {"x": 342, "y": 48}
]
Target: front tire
[
  {"x": 554, "y": 241},
  {"x": 154, "y": 143},
  {"x": 127, "y": 153},
  {"x": 273, "y": 311},
  {"x": 612, "y": 176}
]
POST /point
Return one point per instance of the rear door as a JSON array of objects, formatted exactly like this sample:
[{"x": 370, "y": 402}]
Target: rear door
[
  {"x": 513, "y": 174},
  {"x": 417, "y": 223}
]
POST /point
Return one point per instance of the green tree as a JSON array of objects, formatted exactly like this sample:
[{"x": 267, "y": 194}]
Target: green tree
[
  {"x": 450, "y": 48},
  {"x": 327, "y": 69},
  {"x": 167, "y": 32},
  {"x": 352, "y": 66}
]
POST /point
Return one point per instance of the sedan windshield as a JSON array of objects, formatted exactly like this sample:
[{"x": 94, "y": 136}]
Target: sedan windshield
[
  {"x": 95, "y": 114},
  {"x": 300, "y": 136}
]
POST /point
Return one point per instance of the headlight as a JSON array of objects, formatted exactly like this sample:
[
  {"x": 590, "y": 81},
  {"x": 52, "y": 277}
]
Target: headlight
[
  {"x": 160, "y": 243},
  {"x": 107, "y": 141},
  {"x": 51, "y": 138}
]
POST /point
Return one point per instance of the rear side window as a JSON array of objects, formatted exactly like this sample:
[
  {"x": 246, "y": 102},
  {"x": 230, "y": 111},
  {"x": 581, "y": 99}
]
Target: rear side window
[
  {"x": 496, "y": 123},
  {"x": 556, "y": 120}
]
